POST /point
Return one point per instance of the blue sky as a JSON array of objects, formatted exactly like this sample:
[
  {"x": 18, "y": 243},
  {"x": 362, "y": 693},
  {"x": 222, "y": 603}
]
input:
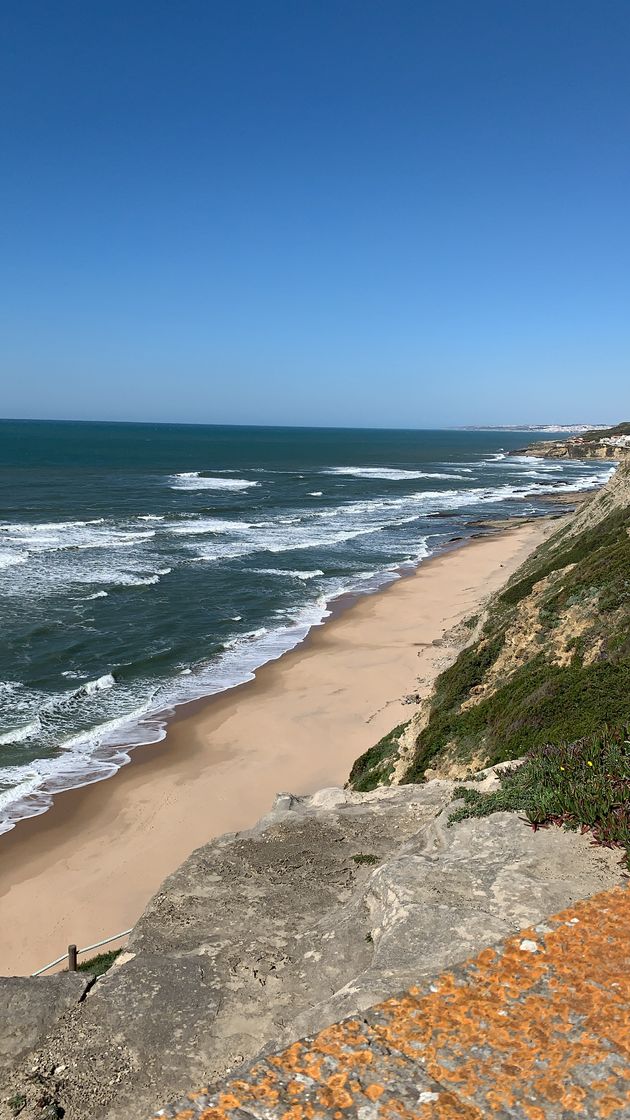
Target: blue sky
[{"x": 350, "y": 212}]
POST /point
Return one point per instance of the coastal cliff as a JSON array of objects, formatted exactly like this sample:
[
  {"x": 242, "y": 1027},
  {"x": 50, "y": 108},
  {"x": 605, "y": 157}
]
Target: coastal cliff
[
  {"x": 604, "y": 443},
  {"x": 548, "y": 662}
]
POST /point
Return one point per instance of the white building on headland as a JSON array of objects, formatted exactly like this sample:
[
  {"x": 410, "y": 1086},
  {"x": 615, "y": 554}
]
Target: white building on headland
[{"x": 616, "y": 441}]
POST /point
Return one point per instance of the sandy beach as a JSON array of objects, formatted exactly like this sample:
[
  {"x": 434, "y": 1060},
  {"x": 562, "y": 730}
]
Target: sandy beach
[{"x": 86, "y": 868}]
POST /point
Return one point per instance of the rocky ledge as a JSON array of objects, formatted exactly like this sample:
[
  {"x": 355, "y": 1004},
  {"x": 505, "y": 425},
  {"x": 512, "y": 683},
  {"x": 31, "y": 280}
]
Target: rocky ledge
[{"x": 330, "y": 904}]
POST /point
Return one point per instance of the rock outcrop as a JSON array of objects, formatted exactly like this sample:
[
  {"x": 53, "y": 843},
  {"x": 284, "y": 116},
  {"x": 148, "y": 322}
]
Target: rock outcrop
[
  {"x": 606, "y": 443},
  {"x": 329, "y": 904}
]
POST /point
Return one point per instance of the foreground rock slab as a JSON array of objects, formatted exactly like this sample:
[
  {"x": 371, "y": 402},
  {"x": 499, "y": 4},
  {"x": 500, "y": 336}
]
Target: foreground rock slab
[
  {"x": 29, "y": 1009},
  {"x": 324, "y": 909},
  {"x": 536, "y": 1029}
]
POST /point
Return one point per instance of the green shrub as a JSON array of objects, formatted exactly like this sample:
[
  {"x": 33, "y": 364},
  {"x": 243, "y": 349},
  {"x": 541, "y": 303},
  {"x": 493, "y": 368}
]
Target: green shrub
[
  {"x": 582, "y": 785},
  {"x": 100, "y": 963},
  {"x": 540, "y": 703},
  {"x": 375, "y": 766}
]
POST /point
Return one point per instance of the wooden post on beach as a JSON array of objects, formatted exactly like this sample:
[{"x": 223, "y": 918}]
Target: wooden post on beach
[{"x": 72, "y": 958}]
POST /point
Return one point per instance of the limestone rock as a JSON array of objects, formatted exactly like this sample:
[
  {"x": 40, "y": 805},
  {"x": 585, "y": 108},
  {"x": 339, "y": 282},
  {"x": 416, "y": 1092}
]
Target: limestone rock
[{"x": 29, "y": 1008}]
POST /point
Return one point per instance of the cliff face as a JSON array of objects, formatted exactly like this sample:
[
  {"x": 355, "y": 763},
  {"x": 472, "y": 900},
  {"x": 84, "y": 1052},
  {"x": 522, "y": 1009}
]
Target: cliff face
[
  {"x": 330, "y": 904},
  {"x": 550, "y": 662}
]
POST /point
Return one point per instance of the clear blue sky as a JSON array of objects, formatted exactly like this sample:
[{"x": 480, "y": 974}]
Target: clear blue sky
[{"x": 404, "y": 212}]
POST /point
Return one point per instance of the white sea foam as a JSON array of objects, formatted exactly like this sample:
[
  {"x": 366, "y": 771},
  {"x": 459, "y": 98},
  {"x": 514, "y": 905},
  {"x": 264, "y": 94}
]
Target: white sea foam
[
  {"x": 315, "y": 493},
  {"x": 11, "y": 559},
  {"x": 201, "y": 525},
  {"x": 390, "y": 474},
  {"x": 62, "y": 536},
  {"x": 99, "y": 685},
  {"x": 288, "y": 572},
  {"x": 138, "y": 581},
  {"x": 97, "y": 754},
  {"x": 96, "y": 595},
  {"x": 19, "y": 734},
  {"x": 150, "y": 517},
  {"x": 195, "y": 480}
]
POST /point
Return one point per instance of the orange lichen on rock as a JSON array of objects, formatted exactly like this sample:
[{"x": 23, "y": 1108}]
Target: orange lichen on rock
[{"x": 538, "y": 1029}]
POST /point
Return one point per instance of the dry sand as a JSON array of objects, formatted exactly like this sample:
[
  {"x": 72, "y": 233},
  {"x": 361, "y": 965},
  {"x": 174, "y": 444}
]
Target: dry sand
[{"x": 86, "y": 868}]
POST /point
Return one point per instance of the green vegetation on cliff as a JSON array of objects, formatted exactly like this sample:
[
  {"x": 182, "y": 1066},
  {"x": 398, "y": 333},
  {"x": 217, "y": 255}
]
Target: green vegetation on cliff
[
  {"x": 552, "y": 664},
  {"x": 375, "y": 767},
  {"x": 584, "y": 785}
]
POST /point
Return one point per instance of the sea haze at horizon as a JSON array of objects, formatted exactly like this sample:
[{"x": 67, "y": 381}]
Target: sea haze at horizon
[{"x": 145, "y": 565}]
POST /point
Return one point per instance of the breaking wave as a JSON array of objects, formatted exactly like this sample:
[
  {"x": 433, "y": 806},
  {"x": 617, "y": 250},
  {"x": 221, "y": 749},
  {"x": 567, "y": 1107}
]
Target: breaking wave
[{"x": 196, "y": 480}]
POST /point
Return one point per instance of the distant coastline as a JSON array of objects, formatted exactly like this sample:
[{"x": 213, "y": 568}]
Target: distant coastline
[{"x": 569, "y": 429}]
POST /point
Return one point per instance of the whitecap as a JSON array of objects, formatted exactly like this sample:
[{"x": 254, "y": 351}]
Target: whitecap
[
  {"x": 99, "y": 685},
  {"x": 19, "y": 734},
  {"x": 389, "y": 474},
  {"x": 288, "y": 572},
  {"x": 194, "y": 480},
  {"x": 11, "y": 559},
  {"x": 137, "y": 581},
  {"x": 201, "y": 525}
]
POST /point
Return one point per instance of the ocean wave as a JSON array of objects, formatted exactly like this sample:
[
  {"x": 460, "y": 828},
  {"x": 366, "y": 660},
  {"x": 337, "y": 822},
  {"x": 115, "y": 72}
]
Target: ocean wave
[
  {"x": 99, "y": 685},
  {"x": 47, "y": 526},
  {"x": 11, "y": 559},
  {"x": 195, "y": 480},
  {"x": 201, "y": 525},
  {"x": 389, "y": 474},
  {"x": 315, "y": 493},
  {"x": 137, "y": 581},
  {"x": 66, "y": 536},
  {"x": 288, "y": 572},
  {"x": 96, "y": 595},
  {"x": 20, "y": 733}
]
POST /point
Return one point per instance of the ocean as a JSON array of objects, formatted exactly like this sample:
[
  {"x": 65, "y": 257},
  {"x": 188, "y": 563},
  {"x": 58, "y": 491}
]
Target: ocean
[{"x": 143, "y": 566}]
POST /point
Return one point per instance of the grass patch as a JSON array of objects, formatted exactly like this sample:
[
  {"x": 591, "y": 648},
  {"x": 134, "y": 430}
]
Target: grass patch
[
  {"x": 375, "y": 767},
  {"x": 100, "y": 963},
  {"x": 591, "y": 550},
  {"x": 455, "y": 683},
  {"x": 583, "y": 785},
  {"x": 366, "y": 858}
]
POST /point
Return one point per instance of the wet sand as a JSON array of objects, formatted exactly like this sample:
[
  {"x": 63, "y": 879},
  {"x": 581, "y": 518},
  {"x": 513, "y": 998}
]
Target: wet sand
[{"x": 86, "y": 869}]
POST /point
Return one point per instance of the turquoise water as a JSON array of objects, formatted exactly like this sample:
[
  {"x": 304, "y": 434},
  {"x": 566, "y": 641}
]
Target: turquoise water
[{"x": 145, "y": 565}]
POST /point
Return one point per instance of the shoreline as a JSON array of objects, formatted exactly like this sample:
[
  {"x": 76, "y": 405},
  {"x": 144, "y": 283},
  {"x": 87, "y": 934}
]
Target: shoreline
[{"x": 86, "y": 868}]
